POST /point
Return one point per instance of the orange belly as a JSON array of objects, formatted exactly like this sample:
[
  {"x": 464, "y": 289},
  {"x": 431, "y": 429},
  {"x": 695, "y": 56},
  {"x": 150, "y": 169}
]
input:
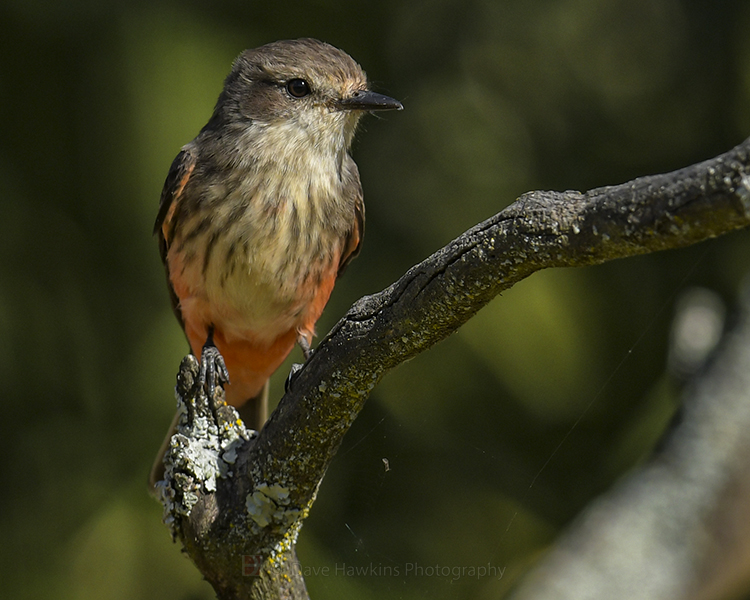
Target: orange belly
[{"x": 250, "y": 359}]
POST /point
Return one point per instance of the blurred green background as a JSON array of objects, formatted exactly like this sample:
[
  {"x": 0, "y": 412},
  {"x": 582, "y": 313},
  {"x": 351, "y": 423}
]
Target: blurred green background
[{"x": 501, "y": 97}]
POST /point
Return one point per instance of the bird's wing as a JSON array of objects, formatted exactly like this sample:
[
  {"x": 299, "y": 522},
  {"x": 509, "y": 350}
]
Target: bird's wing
[
  {"x": 171, "y": 196},
  {"x": 354, "y": 239}
]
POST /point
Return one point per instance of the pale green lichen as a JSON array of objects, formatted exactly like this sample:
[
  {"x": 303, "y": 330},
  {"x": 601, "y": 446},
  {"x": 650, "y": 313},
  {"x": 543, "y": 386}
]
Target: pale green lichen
[
  {"x": 743, "y": 192},
  {"x": 269, "y": 504},
  {"x": 200, "y": 453}
]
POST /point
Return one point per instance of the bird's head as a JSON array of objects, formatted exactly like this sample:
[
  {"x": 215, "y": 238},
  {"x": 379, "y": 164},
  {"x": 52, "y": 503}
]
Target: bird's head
[{"x": 302, "y": 91}]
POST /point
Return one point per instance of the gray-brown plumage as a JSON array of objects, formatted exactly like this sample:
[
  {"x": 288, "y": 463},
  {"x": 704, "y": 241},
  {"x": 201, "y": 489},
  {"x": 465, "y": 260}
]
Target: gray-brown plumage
[{"x": 263, "y": 210}]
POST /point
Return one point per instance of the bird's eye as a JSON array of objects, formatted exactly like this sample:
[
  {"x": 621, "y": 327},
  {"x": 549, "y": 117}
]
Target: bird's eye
[{"x": 298, "y": 88}]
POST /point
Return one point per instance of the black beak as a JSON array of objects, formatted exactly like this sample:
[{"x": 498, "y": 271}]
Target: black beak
[{"x": 366, "y": 100}]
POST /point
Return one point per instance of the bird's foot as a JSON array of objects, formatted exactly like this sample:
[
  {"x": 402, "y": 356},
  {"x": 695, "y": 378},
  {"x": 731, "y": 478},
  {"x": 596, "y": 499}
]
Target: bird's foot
[
  {"x": 303, "y": 339},
  {"x": 304, "y": 344},
  {"x": 213, "y": 369},
  {"x": 293, "y": 374}
]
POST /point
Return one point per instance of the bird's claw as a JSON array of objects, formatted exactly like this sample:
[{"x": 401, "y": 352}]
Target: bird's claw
[
  {"x": 213, "y": 369},
  {"x": 293, "y": 374}
]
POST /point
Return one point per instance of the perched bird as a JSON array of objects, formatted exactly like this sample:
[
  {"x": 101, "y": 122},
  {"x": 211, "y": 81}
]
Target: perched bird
[{"x": 263, "y": 210}]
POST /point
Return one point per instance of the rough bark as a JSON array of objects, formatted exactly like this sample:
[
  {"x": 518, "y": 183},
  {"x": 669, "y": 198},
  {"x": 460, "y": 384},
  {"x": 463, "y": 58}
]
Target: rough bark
[{"x": 229, "y": 495}]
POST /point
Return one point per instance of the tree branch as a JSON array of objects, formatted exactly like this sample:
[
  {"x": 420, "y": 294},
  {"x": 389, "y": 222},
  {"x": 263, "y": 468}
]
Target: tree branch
[
  {"x": 258, "y": 510},
  {"x": 676, "y": 528}
]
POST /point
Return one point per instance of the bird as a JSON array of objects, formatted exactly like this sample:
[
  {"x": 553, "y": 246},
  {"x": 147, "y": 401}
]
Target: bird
[{"x": 262, "y": 212}]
